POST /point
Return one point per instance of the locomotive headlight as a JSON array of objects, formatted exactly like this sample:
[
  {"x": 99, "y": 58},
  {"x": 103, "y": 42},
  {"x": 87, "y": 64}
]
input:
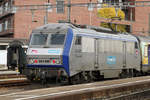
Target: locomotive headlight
[{"x": 57, "y": 61}]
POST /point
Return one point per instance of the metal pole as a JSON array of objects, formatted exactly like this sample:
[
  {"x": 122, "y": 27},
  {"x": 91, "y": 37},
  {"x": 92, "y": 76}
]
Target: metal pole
[
  {"x": 46, "y": 16},
  {"x": 90, "y": 12},
  {"x": 90, "y": 18},
  {"x": 32, "y": 11},
  {"x": 116, "y": 16},
  {"x": 46, "y": 13},
  {"x": 69, "y": 10}
]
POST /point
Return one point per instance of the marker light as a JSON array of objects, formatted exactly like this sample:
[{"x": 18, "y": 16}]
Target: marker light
[
  {"x": 35, "y": 61},
  {"x": 53, "y": 61}
]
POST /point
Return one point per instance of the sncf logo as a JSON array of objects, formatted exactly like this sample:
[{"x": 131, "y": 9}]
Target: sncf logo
[{"x": 34, "y": 51}]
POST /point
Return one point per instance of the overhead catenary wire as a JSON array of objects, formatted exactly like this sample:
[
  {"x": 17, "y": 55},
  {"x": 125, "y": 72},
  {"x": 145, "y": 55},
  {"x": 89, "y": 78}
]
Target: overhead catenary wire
[{"x": 95, "y": 5}]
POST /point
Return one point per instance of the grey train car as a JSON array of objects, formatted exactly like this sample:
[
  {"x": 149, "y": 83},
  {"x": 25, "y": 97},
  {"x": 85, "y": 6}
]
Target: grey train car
[{"x": 66, "y": 52}]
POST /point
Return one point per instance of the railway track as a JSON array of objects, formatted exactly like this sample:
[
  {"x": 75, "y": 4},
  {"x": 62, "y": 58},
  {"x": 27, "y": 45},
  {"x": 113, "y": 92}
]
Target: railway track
[
  {"x": 13, "y": 82},
  {"x": 11, "y": 78}
]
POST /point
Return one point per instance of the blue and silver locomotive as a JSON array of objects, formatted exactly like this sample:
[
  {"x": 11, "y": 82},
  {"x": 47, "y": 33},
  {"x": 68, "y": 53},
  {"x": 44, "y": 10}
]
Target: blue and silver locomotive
[{"x": 66, "y": 52}]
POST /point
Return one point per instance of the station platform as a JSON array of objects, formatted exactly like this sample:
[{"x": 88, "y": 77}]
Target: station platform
[{"x": 89, "y": 91}]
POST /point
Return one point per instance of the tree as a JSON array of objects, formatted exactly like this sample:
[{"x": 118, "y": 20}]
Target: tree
[{"x": 111, "y": 13}]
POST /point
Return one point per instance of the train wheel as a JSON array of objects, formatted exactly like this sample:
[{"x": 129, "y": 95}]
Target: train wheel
[
  {"x": 73, "y": 80},
  {"x": 82, "y": 77},
  {"x": 85, "y": 77},
  {"x": 76, "y": 79},
  {"x": 63, "y": 80},
  {"x": 123, "y": 74}
]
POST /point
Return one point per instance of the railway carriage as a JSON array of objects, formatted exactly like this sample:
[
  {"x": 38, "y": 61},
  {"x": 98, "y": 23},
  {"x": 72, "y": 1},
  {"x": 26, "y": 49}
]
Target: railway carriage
[
  {"x": 144, "y": 43},
  {"x": 66, "y": 52}
]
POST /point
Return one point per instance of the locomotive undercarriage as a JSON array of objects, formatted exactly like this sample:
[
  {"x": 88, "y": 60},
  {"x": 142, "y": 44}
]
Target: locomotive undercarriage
[
  {"x": 44, "y": 74},
  {"x": 60, "y": 76},
  {"x": 85, "y": 77},
  {"x": 127, "y": 73},
  {"x": 89, "y": 76}
]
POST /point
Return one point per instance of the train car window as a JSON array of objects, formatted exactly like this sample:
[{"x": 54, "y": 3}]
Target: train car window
[
  {"x": 57, "y": 39},
  {"x": 136, "y": 45},
  {"x": 78, "y": 40}
]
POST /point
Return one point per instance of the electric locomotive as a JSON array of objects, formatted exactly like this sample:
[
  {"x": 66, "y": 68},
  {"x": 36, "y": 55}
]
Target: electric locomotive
[{"x": 67, "y": 52}]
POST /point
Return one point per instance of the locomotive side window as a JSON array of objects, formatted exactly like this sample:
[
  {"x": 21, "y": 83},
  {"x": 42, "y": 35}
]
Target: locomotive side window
[
  {"x": 78, "y": 40},
  {"x": 136, "y": 45},
  {"x": 57, "y": 39}
]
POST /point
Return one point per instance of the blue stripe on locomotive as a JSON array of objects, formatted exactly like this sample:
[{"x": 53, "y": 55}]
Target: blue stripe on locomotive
[{"x": 66, "y": 52}]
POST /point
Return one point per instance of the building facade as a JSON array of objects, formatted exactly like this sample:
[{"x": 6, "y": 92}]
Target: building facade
[{"x": 19, "y": 22}]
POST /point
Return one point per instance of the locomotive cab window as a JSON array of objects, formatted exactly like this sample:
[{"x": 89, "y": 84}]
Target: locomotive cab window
[
  {"x": 39, "y": 39},
  {"x": 57, "y": 39}
]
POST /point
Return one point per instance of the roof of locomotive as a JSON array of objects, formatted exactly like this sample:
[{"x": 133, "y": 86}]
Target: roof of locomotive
[
  {"x": 53, "y": 26},
  {"x": 84, "y": 31},
  {"x": 95, "y": 34}
]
